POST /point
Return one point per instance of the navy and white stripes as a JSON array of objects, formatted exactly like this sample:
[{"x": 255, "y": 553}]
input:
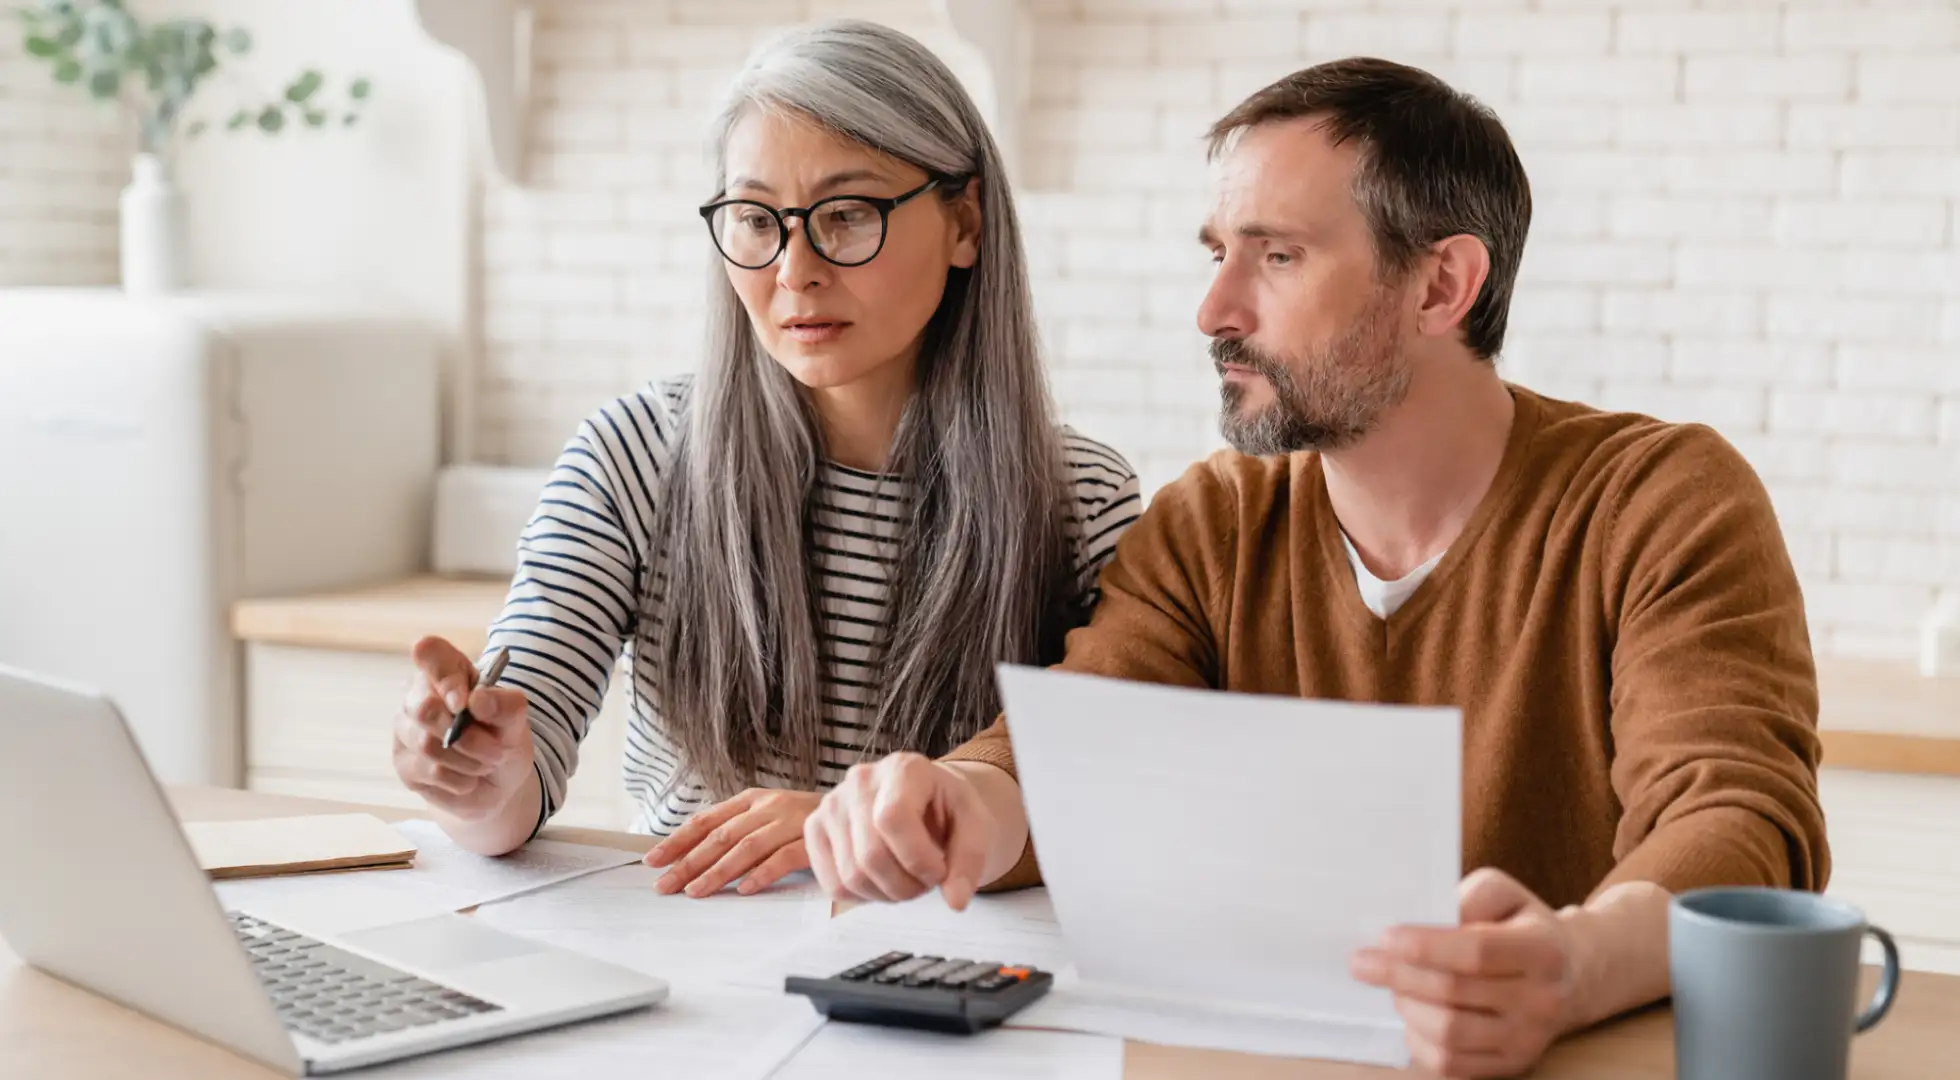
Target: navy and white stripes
[{"x": 588, "y": 587}]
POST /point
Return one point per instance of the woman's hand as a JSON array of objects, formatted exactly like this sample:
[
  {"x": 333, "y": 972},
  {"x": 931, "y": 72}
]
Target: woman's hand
[
  {"x": 756, "y": 836},
  {"x": 489, "y": 764}
]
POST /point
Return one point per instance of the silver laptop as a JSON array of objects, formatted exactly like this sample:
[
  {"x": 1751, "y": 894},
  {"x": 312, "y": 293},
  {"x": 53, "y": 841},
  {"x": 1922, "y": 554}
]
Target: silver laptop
[{"x": 101, "y": 890}]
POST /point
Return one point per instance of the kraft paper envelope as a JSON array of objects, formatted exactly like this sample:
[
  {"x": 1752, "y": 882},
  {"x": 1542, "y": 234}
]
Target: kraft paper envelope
[{"x": 297, "y": 845}]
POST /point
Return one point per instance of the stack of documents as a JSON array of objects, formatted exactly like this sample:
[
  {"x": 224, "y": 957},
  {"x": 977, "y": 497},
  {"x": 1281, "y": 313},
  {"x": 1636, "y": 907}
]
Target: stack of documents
[{"x": 1212, "y": 861}]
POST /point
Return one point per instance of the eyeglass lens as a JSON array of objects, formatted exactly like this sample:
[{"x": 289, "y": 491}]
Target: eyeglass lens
[{"x": 846, "y": 231}]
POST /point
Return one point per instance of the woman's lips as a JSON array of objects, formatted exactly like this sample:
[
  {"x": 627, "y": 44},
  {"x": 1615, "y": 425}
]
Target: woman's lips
[{"x": 814, "y": 332}]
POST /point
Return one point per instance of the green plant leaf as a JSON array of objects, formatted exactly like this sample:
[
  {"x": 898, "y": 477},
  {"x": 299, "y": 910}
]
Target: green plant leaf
[
  {"x": 104, "y": 85},
  {"x": 360, "y": 89},
  {"x": 70, "y": 33},
  {"x": 315, "y": 118},
  {"x": 271, "y": 119},
  {"x": 67, "y": 71},
  {"x": 238, "y": 120},
  {"x": 238, "y": 40},
  {"x": 43, "y": 47},
  {"x": 304, "y": 87}
]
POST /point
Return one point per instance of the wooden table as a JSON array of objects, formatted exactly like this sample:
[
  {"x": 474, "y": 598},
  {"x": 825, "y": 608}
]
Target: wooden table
[{"x": 51, "y": 1030}]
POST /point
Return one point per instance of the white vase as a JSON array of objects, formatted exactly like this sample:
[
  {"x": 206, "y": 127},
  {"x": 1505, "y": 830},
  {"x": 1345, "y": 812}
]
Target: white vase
[{"x": 153, "y": 255}]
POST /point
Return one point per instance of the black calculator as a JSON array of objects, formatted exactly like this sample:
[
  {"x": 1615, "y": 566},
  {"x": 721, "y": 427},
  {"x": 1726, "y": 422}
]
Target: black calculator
[{"x": 899, "y": 989}]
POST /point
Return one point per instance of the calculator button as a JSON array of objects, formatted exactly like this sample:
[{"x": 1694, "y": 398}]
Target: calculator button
[
  {"x": 1016, "y": 973},
  {"x": 900, "y": 970},
  {"x": 992, "y": 982},
  {"x": 956, "y": 979},
  {"x": 927, "y": 976},
  {"x": 870, "y": 967}
]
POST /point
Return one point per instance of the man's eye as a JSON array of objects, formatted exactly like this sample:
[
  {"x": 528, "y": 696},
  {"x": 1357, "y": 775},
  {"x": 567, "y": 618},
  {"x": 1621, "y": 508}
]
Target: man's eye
[{"x": 1279, "y": 258}]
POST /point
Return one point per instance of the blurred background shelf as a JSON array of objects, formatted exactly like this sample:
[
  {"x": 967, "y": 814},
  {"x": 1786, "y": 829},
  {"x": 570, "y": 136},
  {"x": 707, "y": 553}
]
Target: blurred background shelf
[{"x": 326, "y": 674}]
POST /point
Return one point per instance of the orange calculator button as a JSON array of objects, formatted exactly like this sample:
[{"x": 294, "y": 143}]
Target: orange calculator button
[{"x": 1015, "y": 973}]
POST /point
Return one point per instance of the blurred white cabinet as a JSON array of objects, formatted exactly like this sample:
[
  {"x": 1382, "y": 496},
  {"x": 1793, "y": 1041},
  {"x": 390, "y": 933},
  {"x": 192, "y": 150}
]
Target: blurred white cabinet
[
  {"x": 163, "y": 457},
  {"x": 1895, "y": 847},
  {"x": 325, "y": 678}
]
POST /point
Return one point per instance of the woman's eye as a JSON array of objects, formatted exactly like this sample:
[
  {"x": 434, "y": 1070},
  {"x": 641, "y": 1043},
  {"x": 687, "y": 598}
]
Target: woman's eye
[
  {"x": 848, "y": 217},
  {"x": 756, "y": 220}
]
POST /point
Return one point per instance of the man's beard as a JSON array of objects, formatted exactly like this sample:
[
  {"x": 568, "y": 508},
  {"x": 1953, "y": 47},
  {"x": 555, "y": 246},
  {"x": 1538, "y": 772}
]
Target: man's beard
[{"x": 1326, "y": 402}]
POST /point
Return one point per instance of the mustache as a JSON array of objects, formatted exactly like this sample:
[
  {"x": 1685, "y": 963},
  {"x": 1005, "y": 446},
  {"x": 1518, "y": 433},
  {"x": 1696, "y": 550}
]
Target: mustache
[{"x": 1240, "y": 353}]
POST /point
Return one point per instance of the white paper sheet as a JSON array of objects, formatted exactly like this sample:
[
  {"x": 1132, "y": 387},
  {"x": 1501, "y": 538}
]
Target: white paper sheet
[
  {"x": 1211, "y": 853},
  {"x": 861, "y": 1052},
  {"x": 1072, "y": 1007},
  {"x": 1012, "y": 928},
  {"x": 702, "y": 1031},
  {"x": 616, "y": 916},
  {"x": 445, "y": 877},
  {"x": 329, "y": 904}
]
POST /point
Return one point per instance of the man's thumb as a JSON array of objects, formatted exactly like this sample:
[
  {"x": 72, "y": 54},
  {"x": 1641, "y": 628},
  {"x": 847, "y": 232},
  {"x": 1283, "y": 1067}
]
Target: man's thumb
[{"x": 1489, "y": 895}]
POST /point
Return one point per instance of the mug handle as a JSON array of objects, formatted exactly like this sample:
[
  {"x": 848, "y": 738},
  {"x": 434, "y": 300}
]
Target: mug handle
[{"x": 1888, "y": 983}]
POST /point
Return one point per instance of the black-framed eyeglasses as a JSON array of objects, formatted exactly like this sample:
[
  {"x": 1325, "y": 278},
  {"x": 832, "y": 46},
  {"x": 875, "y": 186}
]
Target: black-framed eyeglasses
[{"x": 848, "y": 230}]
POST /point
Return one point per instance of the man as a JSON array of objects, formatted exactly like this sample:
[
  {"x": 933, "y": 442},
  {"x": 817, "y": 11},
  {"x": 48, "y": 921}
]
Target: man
[{"x": 1607, "y": 597}]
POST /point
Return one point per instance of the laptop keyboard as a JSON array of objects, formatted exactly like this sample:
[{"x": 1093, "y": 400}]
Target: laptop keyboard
[{"x": 335, "y": 996}]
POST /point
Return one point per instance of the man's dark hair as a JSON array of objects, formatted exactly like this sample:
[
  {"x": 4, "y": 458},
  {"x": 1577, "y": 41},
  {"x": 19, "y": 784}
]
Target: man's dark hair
[{"x": 1434, "y": 163}]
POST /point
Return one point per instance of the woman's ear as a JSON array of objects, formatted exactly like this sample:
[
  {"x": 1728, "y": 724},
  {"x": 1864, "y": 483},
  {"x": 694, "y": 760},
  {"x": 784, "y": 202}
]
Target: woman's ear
[{"x": 966, "y": 225}]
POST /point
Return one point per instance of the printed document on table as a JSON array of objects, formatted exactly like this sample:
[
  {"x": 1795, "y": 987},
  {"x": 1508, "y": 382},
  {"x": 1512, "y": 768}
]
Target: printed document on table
[
  {"x": 701, "y": 1032},
  {"x": 1214, "y": 859},
  {"x": 445, "y": 877},
  {"x": 867, "y": 1052},
  {"x": 616, "y": 916}
]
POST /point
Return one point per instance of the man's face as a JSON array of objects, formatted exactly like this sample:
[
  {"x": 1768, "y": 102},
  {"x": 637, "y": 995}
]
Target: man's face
[{"x": 1307, "y": 338}]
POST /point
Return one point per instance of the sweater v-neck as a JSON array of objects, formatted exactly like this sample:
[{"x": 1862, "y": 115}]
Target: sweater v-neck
[{"x": 1333, "y": 550}]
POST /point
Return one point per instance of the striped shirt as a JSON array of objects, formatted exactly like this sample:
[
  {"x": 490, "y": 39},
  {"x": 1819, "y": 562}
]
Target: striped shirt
[{"x": 585, "y": 593}]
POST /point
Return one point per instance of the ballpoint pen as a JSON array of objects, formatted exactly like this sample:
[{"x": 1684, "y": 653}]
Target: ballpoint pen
[{"x": 489, "y": 677}]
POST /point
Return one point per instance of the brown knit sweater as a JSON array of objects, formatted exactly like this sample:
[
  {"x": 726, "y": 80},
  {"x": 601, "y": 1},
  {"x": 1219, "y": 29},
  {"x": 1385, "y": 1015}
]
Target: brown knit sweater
[{"x": 1619, "y": 622}]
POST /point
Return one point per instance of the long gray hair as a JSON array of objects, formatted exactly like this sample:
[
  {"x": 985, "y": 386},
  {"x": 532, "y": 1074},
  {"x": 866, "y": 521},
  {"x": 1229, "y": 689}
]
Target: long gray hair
[{"x": 982, "y": 574}]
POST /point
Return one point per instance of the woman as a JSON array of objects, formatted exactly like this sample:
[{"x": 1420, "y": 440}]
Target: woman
[{"x": 817, "y": 549}]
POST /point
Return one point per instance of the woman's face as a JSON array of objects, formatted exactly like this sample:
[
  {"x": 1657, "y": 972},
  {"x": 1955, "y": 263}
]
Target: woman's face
[{"x": 831, "y": 326}]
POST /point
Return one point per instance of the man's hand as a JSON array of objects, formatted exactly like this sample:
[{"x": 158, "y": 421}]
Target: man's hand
[
  {"x": 756, "y": 836},
  {"x": 1486, "y": 998},
  {"x": 894, "y": 829}
]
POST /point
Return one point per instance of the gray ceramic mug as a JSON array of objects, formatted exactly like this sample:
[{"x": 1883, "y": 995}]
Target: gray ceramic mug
[{"x": 1765, "y": 984}]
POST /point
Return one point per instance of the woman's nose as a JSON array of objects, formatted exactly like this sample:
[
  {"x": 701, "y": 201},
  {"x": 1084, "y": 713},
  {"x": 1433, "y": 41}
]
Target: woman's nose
[{"x": 800, "y": 267}]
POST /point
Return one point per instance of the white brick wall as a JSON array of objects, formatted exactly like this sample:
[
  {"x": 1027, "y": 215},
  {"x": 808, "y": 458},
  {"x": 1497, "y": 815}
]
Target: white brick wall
[
  {"x": 62, "y": 163},
  {"x": 1748, "y": 214}
]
